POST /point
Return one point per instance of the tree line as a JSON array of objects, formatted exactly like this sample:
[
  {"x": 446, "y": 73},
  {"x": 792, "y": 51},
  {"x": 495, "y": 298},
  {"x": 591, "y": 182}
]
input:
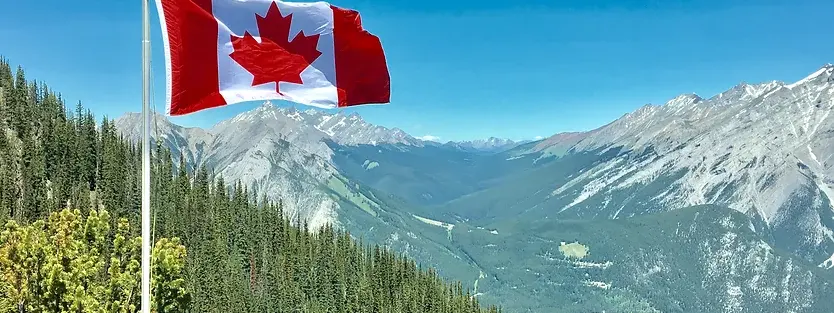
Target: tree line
[{"x": 70, "y": 199}]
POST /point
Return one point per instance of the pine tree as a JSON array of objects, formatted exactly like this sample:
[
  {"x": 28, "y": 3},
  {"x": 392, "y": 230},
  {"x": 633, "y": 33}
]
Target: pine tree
[
  {"x": 33, "y": 182},
  {"x": 7, "y": 186},
  {"x": 180, "y": 190},
  {"x": 7, "y": 163},
  {"x": 111, "y": 186},
  {"x": 6, "y": 87},
  {"x": 18, "y": 104}
]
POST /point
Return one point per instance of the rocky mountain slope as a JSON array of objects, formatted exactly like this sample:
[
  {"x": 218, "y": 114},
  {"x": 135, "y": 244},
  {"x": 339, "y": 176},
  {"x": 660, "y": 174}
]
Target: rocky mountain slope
[
  {"x": 763, "y": 150},
  {"x": 279, "y": 151}
]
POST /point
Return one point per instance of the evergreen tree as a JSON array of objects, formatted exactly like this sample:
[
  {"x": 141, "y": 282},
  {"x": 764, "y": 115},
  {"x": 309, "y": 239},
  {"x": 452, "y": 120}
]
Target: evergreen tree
[
  {"x": 18, "y": 104},
  {"x": 34, "y": 178},
  {"x": 6, "y": 87}
]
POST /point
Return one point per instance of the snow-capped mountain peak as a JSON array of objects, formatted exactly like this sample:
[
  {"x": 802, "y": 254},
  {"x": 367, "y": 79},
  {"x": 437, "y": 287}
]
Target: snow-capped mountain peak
[
  {"x": 314, "y": 125},
  {"x": 745, "y": 92},
  {"x": 822, "y": 75},
  {"x": 684, "y": 100}
]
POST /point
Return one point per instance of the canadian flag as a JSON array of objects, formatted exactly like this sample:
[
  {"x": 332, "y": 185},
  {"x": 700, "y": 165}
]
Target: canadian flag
[{"x": 219, "y": 52}]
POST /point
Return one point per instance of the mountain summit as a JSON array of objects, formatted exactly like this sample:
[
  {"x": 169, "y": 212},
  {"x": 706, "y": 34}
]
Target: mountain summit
[{"x": 311, "y": 125}]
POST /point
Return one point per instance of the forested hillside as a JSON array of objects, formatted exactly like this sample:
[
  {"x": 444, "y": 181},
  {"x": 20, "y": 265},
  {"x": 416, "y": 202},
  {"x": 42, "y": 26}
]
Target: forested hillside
[{"x": 70, "y": 192}]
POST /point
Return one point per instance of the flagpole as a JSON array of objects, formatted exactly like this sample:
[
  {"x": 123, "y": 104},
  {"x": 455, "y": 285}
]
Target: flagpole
[{"x": 146, "y": 159}]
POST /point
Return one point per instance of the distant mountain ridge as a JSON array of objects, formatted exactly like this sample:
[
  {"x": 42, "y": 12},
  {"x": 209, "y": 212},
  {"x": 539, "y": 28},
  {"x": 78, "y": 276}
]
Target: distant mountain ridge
[{"x": 489, "y": 145}]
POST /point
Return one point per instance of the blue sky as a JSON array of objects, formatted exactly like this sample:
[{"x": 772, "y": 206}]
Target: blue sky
[{"x": 469, "y": 69}]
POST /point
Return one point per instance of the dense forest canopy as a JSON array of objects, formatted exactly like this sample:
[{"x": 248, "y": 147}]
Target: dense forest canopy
[{"x": 69, "y": 203}]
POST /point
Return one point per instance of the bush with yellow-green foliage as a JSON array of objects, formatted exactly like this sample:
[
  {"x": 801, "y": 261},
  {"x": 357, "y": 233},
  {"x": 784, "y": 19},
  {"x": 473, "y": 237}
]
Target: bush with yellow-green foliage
[{"x": 70, "y": 263}]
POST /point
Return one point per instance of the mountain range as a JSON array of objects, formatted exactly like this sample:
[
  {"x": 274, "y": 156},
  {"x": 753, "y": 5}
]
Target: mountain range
[
  {"x": 720, "y": 204},
  {"x": 489, "y": 145}
]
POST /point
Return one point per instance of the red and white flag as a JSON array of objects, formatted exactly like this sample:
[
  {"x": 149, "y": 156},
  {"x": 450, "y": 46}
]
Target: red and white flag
[{"x": 219, "y": 52}]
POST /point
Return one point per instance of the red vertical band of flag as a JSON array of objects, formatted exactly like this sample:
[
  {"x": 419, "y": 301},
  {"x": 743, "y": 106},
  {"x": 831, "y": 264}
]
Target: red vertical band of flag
[
  {"x": 192, "y": 44},
  {"x": 361, "y": 72}
]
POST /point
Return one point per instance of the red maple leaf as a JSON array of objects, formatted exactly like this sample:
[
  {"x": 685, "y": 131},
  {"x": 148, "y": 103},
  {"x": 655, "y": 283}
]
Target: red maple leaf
[{"x": 275, "y": 58}]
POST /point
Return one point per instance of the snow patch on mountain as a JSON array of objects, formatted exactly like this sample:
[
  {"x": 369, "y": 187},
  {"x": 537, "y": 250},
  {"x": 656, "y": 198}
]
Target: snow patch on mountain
[
  {"x": 447, "y": 226},
  {"x": 828, "y": 263}
]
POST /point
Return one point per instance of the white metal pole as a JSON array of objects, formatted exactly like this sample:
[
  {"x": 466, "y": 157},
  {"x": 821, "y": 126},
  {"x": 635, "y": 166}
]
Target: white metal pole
[{"x": 146, "y": 159}]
